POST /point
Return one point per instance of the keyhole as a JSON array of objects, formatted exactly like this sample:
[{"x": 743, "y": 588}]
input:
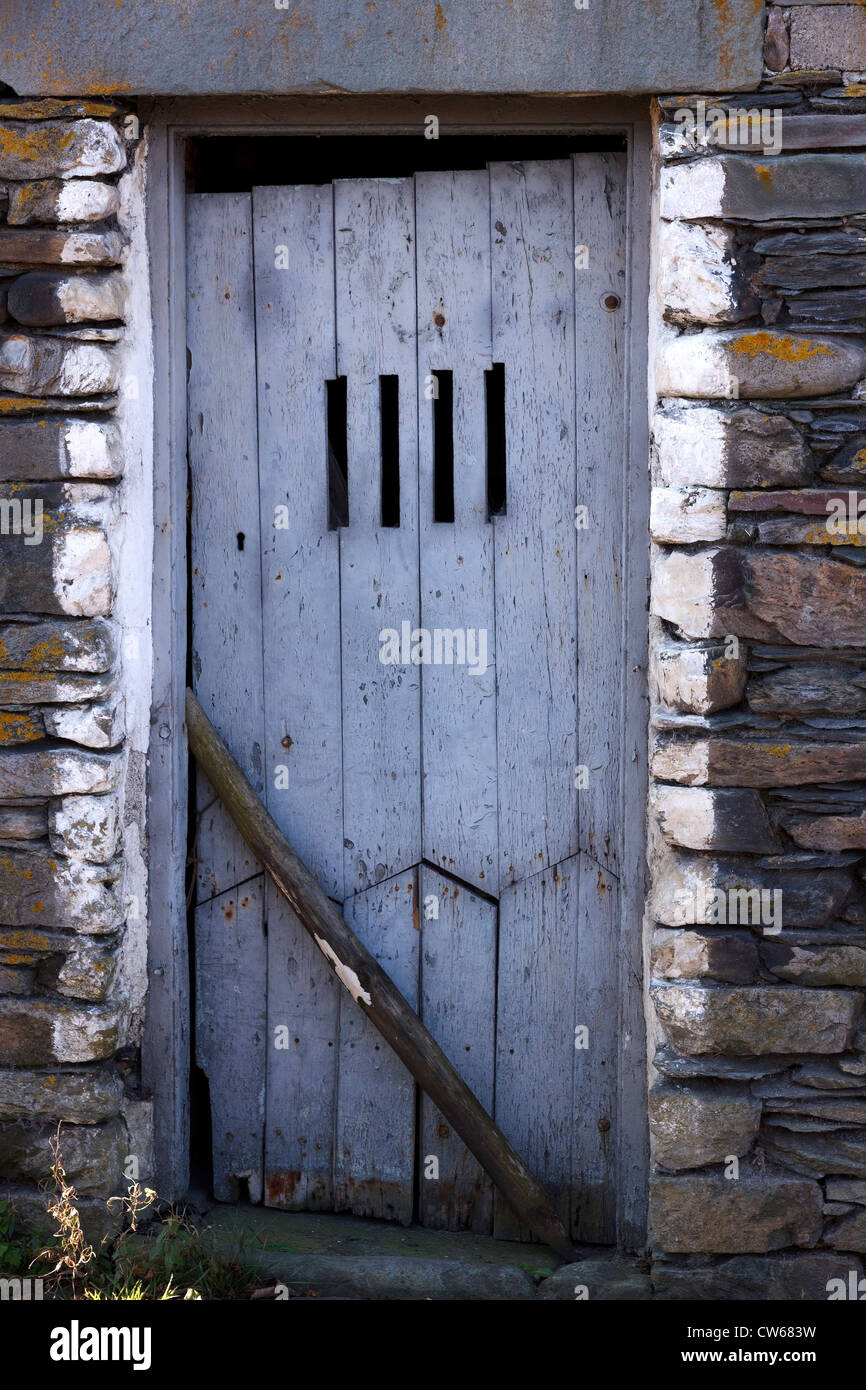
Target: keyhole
[{"x": 241, "y": 539}]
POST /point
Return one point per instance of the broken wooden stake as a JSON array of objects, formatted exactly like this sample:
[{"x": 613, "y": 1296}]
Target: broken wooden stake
[{"x": 372, "y": 989}]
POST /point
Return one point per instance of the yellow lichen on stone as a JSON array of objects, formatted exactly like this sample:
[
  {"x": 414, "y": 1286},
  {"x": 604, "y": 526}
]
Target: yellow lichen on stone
[{"x": 781, "y": 346}]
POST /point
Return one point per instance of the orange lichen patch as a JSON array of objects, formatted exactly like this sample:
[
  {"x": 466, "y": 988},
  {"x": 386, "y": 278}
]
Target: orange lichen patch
[
  {"x": 823, "y": 536},
  {"x": 440, "y": 18},
  {"x": 856, "y": 89},
  {"x": 776, "y": 750},
  {"x": 20, "y": 405},
  {"x": 17, "y": 727},
  {"x": 9, "y": 866},
  {"x": 781, "y": 346},
  {"x": 99, "y": 87},
  {"x": 53, "y": 108},
  {"x": 25, "y": 940},
  {"x": 44, "y": 656},
  {"x": 34, "y": 144}
]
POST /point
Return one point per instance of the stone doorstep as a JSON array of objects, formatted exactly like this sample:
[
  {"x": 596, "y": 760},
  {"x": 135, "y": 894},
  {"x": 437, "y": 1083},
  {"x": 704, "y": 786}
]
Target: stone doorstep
[{"x": 331, "y": 1256}]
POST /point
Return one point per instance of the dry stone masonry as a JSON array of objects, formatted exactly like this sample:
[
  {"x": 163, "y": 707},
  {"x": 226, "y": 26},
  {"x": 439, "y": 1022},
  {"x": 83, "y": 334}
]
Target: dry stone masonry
[
  {"x": 64, "y": 1035},
  {"x": 758, "y": 803}
]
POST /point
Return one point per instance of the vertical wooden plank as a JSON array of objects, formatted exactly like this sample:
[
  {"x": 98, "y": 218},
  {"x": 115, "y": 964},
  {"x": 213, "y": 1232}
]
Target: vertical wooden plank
[
  {"x": 296, "y": 349},
  {"x": 227, "y": 653},
  {"x": 458, "y": 1005},
  {"x": 459, "y": 705},
  {"x": 165, "y": 1048},
  {"x": 459, "y": 812},
  {"x": 600, "y": 198},
  {"x": 375, "y": 290},
  {"x": 375, "y": 1143},
  {"x": 532, "y": 229},
  {"x": 594, "y": 1109},
  {"x": 535, "y": 1030},
  {"x": 230, "y": 1034},
  {"x": 600, "y": 318}
]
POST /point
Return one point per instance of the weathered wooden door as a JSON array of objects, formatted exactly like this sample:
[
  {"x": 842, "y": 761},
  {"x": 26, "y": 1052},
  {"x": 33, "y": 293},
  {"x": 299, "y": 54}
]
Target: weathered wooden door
[{"x": 421, "y": 678}]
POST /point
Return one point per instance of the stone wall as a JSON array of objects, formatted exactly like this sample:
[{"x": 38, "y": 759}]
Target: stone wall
[
  {"x": 758, "y": 804},
  {"x": 74, "y": 669}
]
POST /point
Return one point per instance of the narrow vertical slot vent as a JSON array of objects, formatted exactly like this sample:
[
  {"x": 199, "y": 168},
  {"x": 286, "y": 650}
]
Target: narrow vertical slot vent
[
  {"x": 389, "y": 440},
  {"x": 443, "y": 447},
  {"x": 338, "y": 454},
  {"x": 494, "y": 397}
]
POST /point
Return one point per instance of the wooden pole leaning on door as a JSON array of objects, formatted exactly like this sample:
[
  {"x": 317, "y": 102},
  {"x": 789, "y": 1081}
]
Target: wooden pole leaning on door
[{"x": 372, "y": 988}]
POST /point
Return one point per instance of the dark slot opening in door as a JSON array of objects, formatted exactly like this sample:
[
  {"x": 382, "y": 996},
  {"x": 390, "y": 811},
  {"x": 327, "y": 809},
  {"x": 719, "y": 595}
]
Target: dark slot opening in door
[
  {"x": 494, "y": 397},
  {"x": 338, "y": 454},
  {"x": 443, "y": 447},
  {"x": 389, "y": 442}
]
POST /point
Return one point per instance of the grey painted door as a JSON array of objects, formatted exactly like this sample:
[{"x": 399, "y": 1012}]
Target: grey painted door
[{"x": 407, "y": 406}]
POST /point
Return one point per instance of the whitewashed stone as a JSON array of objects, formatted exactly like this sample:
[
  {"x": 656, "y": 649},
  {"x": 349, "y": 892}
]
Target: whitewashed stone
[
  {"x": 680, "y": 516},
  {"x": 694, "y": 955},
  {"x": 756, "y": 363},
  {"x": 682, "y": 760},
  {"x": 683, "y": 590},
  {"x": 694, "y": 190},
  {"x": 700, "y": 679},
  {"x": 55, "y": 366},
  {"x": 63, "y": 149},
  {"x": 55, "y": 200},
  {"x": 687, "y": 889},
  {"x": 766, "y": 595},
  {"x": 45, "y": 298},
  {"x": 42, "y": 1032},
  {"x": 709, "y": 446},
  {"x": 699, "y": 280},
  {"x": 718, "y": 818},
  {"x": 55, "y": 772},
  {"x": 85, "y": 971},
  {"x": 82, "y": 572},
  {"x": 740, "y": 188},
  {"x": 93, "y": 449},
  {"x": 95, "y": 725},
  {"x": 733, "y": 762},
  {"x": 85, "y": 827}
]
